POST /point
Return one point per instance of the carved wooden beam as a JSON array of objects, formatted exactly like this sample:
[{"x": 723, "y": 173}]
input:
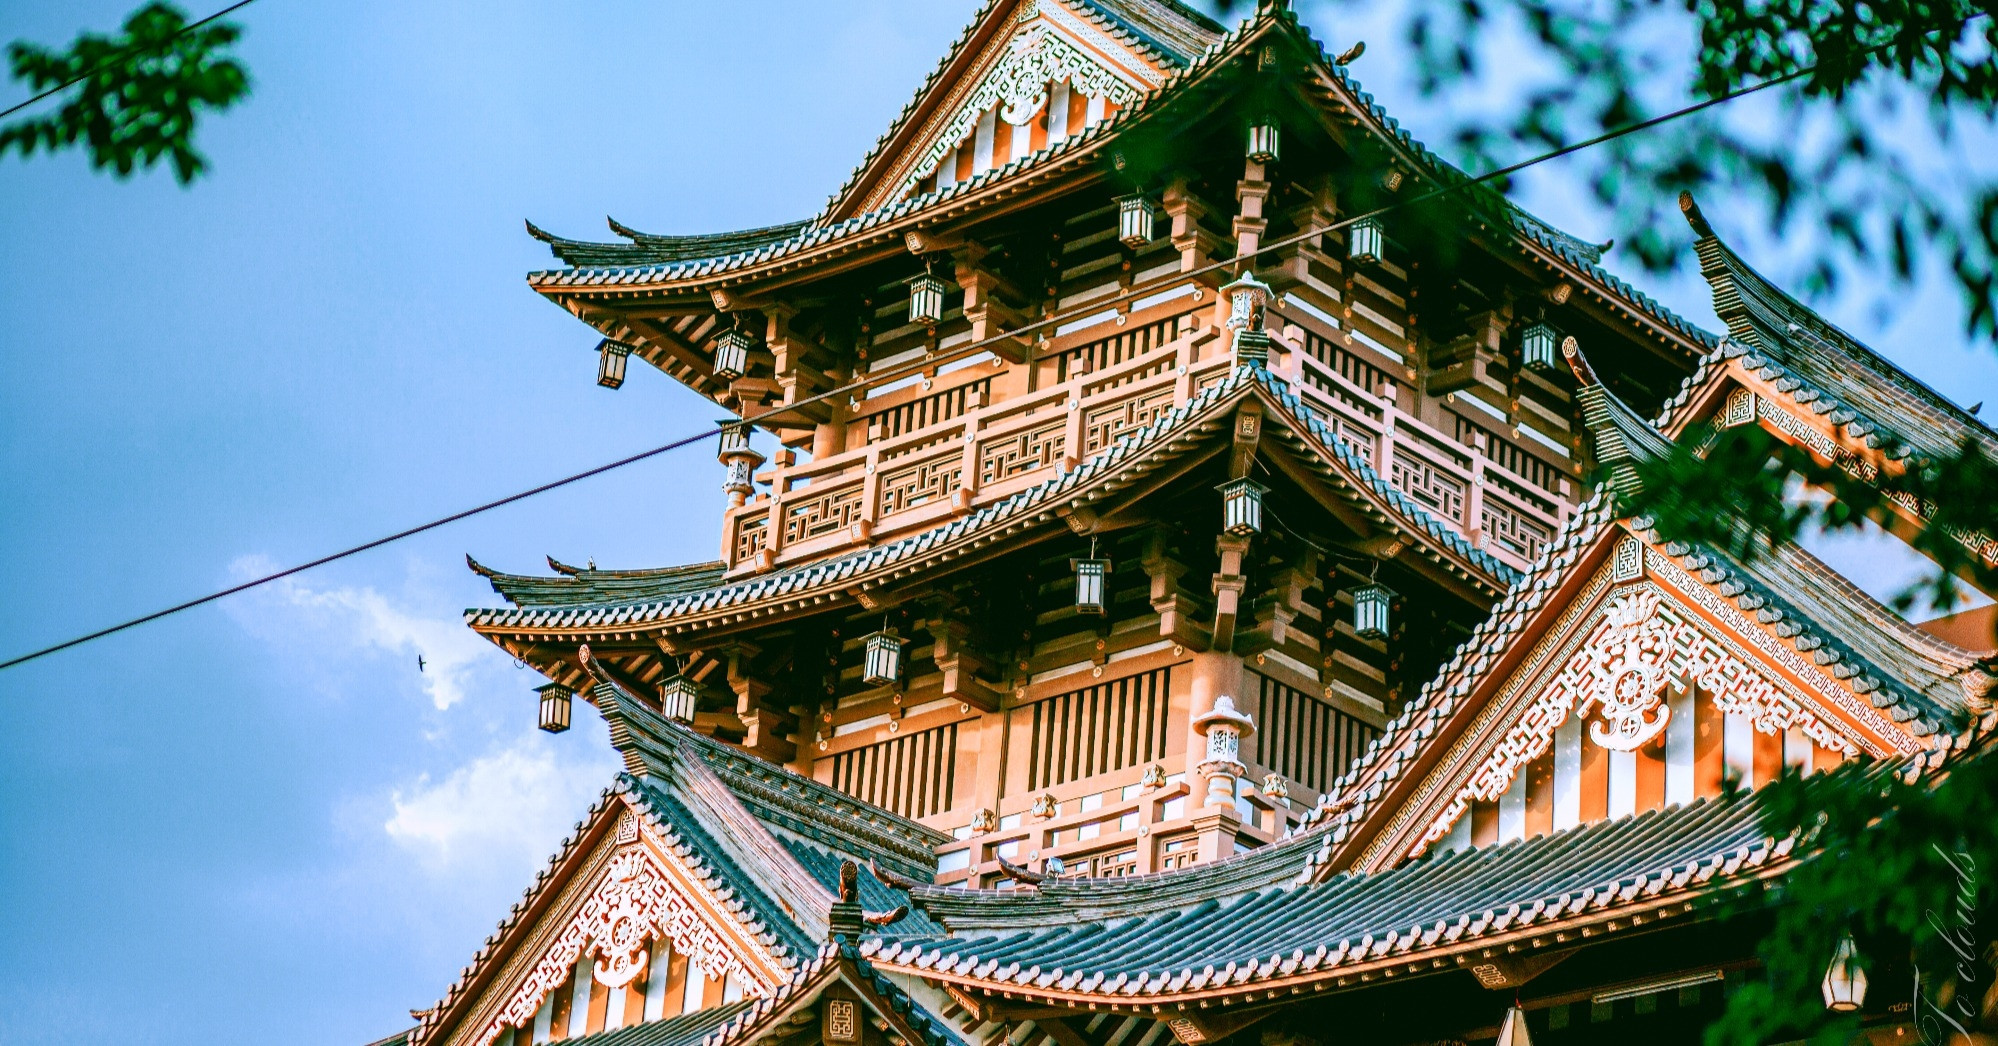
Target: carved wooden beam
[
  {"x": 1229, "y": 581},
  {"x": 960, "y": 665},
  {"x": 1175, "y": 608}
]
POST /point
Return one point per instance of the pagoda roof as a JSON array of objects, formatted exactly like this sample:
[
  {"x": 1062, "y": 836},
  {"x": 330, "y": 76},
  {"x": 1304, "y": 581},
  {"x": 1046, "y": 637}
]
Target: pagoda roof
[
  {"x": 1237, "y": 942},
  {"x": 588, "y": 586},
  {"x": 643, "y": 248},
  {"x": 1125, "y": 462},
  {"x": 1823, "y": 369},
  {"x": 686, "y": 1029},
  {"x": 766, "y": 843},
  {"x": 1909, "y": 675},
  {"x": 827, "y": 233}
]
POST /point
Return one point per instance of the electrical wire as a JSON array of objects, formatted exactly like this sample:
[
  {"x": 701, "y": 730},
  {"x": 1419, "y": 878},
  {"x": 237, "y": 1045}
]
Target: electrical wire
[
  {"x": 119, "y": 57},
  {"x": 894, "y": 373}
]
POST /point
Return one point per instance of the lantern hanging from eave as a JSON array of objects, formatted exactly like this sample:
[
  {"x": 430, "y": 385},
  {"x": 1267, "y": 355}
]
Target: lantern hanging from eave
[
  {"x": 1091, "y": 588},
  {"x": 556, "y": 702},
  {"x": 732, "y": 353},
  {"x": 926, "y": 298},
  {"x": 1265, "y": 140},
  {"x": 1845, "y": 981},
  {"x": 1137, "y": 220},
  {"x": 1242, "y": 507},
  {"x": 1366, "y": 241},
  {"x": 679, "y": 696},
  {"x": 882, "y": 658},
  {"x": 1536, "y": 347},
  {"x": 611, "y": 357},
  {"x": 1372, "y": 603}
]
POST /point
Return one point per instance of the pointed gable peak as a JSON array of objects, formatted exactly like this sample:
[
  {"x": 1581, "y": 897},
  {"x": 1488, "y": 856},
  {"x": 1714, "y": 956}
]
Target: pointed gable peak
[{"x": 1025, "y": 76}]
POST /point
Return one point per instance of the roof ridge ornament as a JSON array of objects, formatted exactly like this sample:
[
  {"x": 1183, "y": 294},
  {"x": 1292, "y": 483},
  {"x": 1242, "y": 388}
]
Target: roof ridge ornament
[{"x": 1691, "y": 209}]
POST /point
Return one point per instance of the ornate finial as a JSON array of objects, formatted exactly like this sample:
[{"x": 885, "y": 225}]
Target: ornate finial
[
  {"x": 849, "y": 882},
  {"x": 479, "y": 568},
  {"x": 1691, "y": 209},
  {"x": 1351, "y": 54},
  {"x": 1571, "y": 350},
  {"x": 984, "y": 820}
]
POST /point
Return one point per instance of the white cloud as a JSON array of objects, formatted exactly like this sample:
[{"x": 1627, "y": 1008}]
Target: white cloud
[
  {"x": 362, "y": 616},
  {"x": 511, "y": 805}
]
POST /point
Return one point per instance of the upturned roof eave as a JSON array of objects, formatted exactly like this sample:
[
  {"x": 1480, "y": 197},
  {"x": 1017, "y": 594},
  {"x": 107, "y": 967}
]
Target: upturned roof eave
[{"x": 846, "y": 577}]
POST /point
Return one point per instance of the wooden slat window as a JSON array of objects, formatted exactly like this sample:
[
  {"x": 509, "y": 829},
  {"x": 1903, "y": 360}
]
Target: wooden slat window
[
  {"x": 915, "y": 776},
  {"x": 1098, "y": 729},
  {"x": 1305, "y": 739}
]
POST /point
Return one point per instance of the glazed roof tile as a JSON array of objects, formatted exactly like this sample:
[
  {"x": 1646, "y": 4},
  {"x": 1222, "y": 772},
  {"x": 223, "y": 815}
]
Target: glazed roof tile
[
  {"x": 1836, "y": 375},
  {"x": 687, "y": 1029},
  {"x": 1134, "y": 14},
  {"x": 1433, "y": 903},
  {"x": 1029, "y": 506},
  {"x": 588, "y": 586}
]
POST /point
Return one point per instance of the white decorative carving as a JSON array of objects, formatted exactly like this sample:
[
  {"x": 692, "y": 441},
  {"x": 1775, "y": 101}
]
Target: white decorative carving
[
  {"x": 1639, "y": 641},
  {"x": 1629, "y": 560},
  {"x": 634, "y": 903},
  {"x": 1627, "y": 677},
  {"x": 1034, "y": 61}
]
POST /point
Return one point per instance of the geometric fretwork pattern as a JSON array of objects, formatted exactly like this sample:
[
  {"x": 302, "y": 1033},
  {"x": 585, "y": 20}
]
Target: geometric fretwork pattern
[
  {"x": 1639, "y": 645},
  {"x": 632, "y": 905}
]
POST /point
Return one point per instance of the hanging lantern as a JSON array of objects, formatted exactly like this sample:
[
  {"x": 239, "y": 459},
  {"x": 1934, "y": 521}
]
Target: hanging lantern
[
  {"x": 679, "y": 695},
  {"x": 611, "y": 357},
  {"x": 1536, "y": 347},
  {"x": 556, "y": 700},
  {"x": 1136, "y": 220},
  {"x": 1512, "y": 1032},
  {"x": 1371, "y": 603},
  {"x": 1242, "y": 507},
  {"x": 1090, "y": 575},
  {"x": 1246, "y": 298},
  {"x": 926, "y": 299},
  {"x": 1845, "y": 982},
  {"x": 883, "y": 661},
  {"x": 1366, "y": 241},
  {"x": 1264, "y": 137},
  {"x": 732, "y": 353}
]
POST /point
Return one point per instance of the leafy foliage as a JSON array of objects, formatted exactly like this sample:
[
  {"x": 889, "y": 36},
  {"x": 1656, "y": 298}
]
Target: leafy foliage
[
  {"x": 1874, "y": 141},
  {"x": 137, "y": 95},
  {"x": 1905, "y": 865},
  {"x": 1757, "y": 479}
]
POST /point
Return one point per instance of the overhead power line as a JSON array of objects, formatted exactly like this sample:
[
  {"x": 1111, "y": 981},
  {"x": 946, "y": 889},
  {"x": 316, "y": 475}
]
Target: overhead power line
[
  {"x": 893, "y": 373},
  {"x": 114, "y": 60}
]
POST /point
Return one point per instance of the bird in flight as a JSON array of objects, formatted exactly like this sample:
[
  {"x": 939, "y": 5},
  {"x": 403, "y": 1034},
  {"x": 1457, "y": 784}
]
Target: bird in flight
[{"x": 420, "y": 662}]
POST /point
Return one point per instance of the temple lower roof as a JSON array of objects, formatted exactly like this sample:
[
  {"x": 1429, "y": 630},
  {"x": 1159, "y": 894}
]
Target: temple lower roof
[{"x": 1225, "y": 943}]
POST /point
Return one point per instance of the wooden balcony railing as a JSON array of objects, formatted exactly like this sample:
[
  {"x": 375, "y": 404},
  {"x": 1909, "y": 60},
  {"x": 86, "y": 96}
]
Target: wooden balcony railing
[{"x": 913, "y": 474}]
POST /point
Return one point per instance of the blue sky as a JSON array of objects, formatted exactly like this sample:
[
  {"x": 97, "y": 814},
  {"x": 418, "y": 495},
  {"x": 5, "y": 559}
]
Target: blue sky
[{"x": 258, "y": 821}]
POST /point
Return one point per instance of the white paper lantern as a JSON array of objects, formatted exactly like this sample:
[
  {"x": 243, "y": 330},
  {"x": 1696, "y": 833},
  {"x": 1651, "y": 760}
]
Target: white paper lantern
[
  {"x": 1091, "y": 596},
  {"x": 732, "y": 354},
  {"x": 1845, "y": 982},
  {"x": 1371, "y": 605},
  {"x": 1536, "y": 347},
  {"x": 1242, "y": 507},
  {"x": 1265, "y": 139},
  {"x": 1137, "y": 220},
  {"x": 926, "y": 299},
  {"x": 1366, "y": 241},
  {"x": 556, "y": 701},
  {"x": 611, "y": 358},
  {"x": 882, "y": 662}
]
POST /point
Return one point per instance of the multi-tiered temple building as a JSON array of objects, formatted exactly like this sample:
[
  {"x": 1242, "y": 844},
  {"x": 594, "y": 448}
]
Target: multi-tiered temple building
[{"x": 1172, "y": 586}]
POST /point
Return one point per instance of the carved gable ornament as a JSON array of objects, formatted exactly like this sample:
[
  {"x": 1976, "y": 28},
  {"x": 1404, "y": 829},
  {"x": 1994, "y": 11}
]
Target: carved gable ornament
[
  {"x": 634, "y": 902},
  {"x": 1627, "y": 646},
  {"x": 1051, "y": 46}
]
